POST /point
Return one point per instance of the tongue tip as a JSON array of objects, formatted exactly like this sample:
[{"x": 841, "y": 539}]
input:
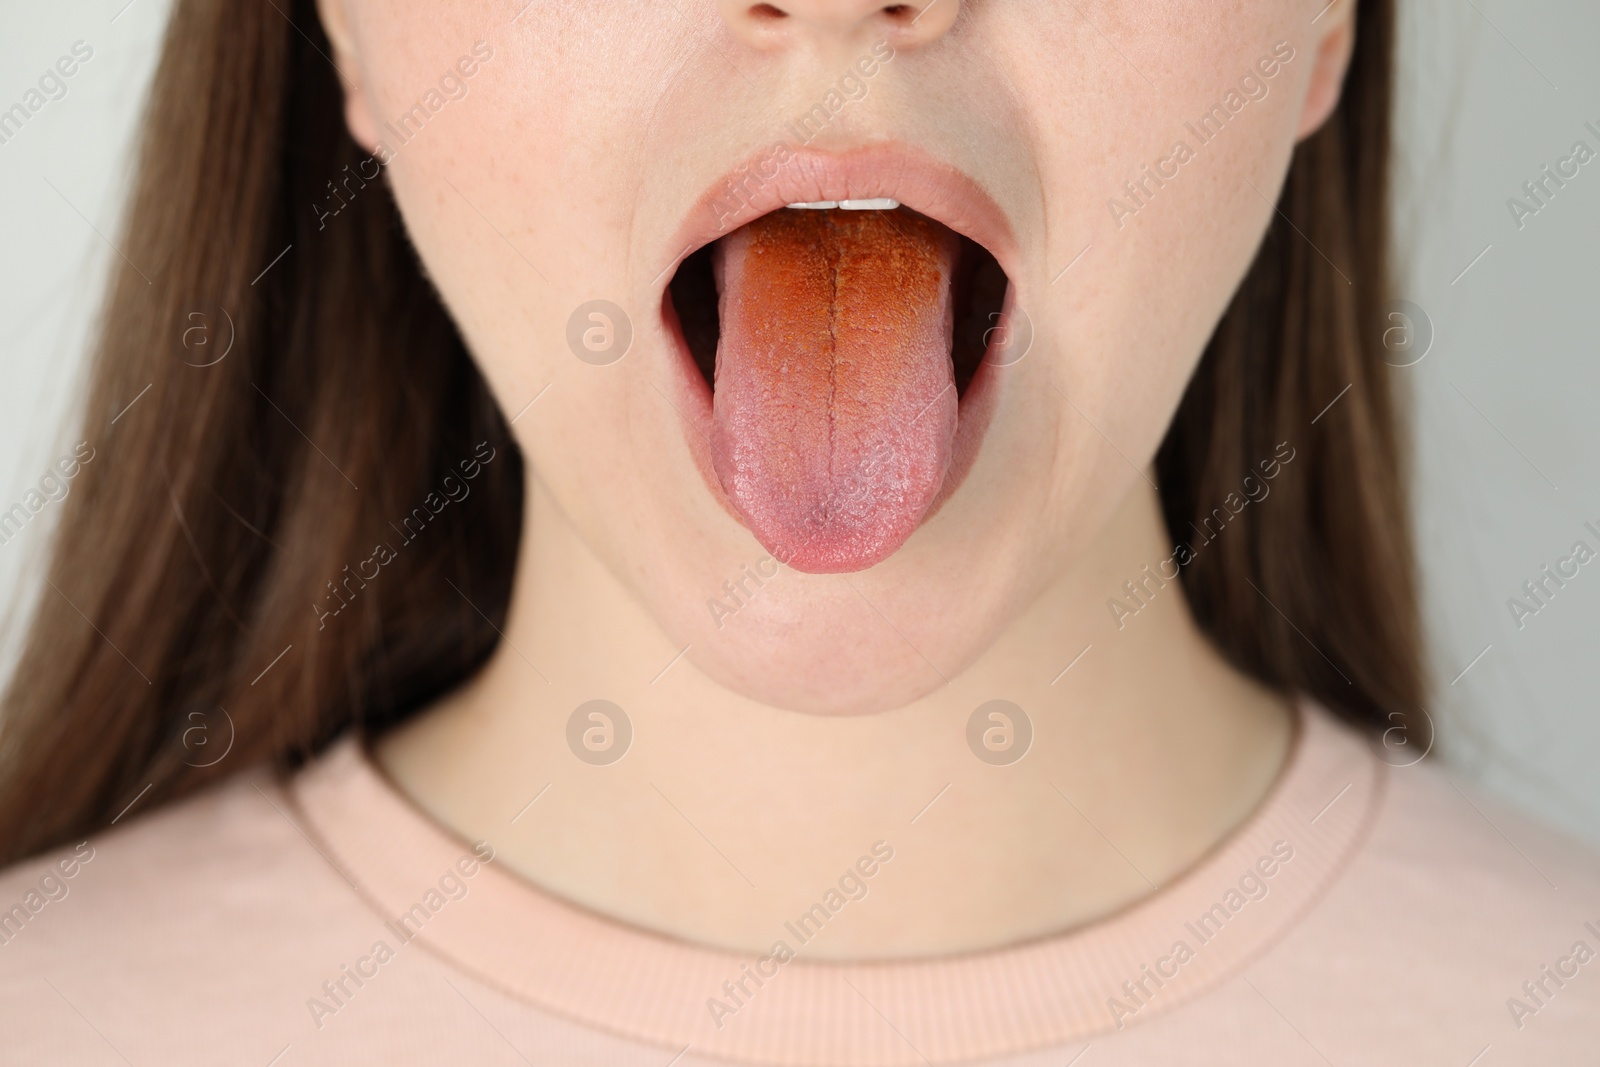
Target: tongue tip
[
  {"x": 824, "y": 539},
  {"x": 843, "y": 552}
]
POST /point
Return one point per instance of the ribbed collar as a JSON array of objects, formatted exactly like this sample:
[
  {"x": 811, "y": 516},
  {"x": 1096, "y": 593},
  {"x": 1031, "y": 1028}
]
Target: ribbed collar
[{"x": 1168, "y": 948}]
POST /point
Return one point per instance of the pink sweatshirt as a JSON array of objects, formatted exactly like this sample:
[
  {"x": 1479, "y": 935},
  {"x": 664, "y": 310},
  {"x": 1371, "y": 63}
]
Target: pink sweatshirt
[{"x": 1365, "y": 914}]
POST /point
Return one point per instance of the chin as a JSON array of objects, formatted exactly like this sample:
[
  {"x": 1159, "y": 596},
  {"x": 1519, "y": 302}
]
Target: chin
[{"x": 819, "y": 647}]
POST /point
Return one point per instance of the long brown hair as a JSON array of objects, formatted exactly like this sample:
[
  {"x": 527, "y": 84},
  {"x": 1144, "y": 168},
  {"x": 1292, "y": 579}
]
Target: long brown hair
[{"x": 229, "y": 494}]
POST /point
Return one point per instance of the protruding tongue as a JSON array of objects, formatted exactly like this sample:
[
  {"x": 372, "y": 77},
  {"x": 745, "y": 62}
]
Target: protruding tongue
[{"x": 835, "y": 401}]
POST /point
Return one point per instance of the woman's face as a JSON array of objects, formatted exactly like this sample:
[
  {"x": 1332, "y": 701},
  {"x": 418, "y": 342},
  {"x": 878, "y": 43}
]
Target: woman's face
[{"x": 557, "y": 162}]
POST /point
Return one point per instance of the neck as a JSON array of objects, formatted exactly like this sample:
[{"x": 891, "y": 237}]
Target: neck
[{"x": 727, "y": 819}]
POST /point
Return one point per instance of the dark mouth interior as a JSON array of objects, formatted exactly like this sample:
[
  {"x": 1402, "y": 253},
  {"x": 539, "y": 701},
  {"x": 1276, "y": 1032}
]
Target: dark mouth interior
[{"x": 979, "y": 296}]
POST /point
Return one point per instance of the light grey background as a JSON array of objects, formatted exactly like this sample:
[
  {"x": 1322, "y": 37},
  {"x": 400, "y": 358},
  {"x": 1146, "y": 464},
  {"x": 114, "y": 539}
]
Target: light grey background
[{"x": 1505, "y": 421}]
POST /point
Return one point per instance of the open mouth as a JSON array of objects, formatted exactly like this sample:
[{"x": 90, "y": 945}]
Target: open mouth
[{"x": 838, "y": 340}]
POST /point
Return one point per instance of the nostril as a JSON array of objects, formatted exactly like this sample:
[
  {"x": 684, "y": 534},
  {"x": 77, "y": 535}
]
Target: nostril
[{"x": 786, "y": 23}]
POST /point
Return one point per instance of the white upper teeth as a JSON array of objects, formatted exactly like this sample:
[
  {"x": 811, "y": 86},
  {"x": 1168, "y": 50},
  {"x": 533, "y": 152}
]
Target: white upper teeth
[{"x": 880, "y": 204}]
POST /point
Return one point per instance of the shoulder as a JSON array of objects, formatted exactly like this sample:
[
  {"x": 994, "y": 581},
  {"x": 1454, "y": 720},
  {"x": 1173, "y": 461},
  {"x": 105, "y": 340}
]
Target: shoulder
[
  {"x": 1458, "y": 918},
  {"x": 1479, "y": 846},
  {"x": 237, "y": 833},
  {"x": 216, "y": 900},
  {"x": 210, "y": 827}
]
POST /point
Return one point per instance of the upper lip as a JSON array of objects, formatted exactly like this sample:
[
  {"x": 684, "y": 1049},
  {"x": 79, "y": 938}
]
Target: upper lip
[{"x": 780, "y": 175}]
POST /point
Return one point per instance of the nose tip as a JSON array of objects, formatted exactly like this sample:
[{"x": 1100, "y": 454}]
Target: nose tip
[{"x": 905, "y": 25}]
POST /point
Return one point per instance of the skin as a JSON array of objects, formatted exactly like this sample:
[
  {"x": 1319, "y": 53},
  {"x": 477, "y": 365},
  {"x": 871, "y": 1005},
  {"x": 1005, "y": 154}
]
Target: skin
[{"x": 828, "y": 711}]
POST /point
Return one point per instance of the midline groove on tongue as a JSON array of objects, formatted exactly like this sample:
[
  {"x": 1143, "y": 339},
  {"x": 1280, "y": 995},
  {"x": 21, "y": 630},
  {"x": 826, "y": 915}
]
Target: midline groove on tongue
[{"x": 834, "y": 405}]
